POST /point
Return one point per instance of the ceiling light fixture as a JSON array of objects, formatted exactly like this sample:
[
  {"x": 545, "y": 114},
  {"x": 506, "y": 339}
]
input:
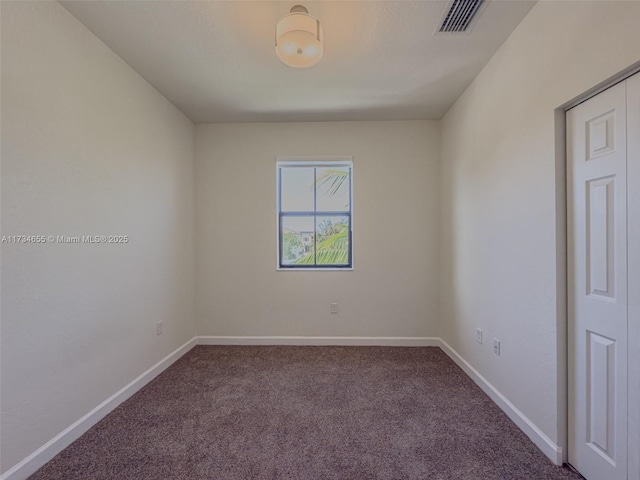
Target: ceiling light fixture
[{"x": 299, "y": 39}]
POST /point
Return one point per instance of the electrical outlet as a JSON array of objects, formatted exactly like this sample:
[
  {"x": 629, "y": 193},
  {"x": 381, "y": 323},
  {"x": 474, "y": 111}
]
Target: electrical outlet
[
  {"x": 496, "y": 346},
  {"x": 159, "y": 327},
  {"x": 334, "y": 308},
  {"x": 479, "y": 335}
]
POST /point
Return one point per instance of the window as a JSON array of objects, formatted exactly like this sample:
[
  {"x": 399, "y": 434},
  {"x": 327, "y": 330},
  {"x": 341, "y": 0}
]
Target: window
[{"x": 314, "y": 214}]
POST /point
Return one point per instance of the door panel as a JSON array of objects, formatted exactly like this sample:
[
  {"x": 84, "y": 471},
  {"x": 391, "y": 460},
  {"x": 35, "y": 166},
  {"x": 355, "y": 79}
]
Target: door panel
[
  {"x": 600, "y": 237},
  {"x": 597, "y": 272},
  {"x": 601, "y": 358}
]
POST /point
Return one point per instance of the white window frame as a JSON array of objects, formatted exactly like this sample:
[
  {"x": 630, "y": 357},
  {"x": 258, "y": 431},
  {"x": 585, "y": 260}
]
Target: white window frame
[{"x": 321, "y": 161}]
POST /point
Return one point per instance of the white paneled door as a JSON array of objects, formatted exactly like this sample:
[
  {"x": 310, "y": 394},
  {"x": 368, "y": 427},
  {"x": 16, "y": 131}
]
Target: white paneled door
[{"x": 600, "y": 210}]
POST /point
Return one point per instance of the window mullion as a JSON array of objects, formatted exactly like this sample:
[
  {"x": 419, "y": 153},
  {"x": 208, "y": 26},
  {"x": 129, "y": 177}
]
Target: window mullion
[{"x": 315, "y": 216}]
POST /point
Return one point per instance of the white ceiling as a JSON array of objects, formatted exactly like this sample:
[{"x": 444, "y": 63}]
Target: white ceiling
[{"x": 215, "y": 60}]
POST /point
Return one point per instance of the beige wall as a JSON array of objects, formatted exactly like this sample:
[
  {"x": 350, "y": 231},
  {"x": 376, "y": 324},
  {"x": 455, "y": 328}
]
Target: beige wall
[
  {"x": 500, "y": 216},
  {"x": 393, "y": 290},
  {"x": 88, "y": 148}
]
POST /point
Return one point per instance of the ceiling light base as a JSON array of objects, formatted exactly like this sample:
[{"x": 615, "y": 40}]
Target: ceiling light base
[{"x": 299, "y": 9}]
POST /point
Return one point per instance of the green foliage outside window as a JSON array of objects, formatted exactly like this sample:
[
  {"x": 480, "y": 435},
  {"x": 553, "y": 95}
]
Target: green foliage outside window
[{"x": 332, "y": 247}]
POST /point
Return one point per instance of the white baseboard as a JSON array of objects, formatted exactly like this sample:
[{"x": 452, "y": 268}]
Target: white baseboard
[
  {"x": 341, "y": 341},
  {"x": 37, "y": 459},
  {"x": 537, "y": 436}
]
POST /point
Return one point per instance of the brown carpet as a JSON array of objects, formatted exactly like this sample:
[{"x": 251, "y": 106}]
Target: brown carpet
[{"x": 306, "y": 413}]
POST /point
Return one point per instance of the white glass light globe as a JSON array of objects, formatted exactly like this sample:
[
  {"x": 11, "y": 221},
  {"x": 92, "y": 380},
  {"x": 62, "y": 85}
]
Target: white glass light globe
[{"x": 299, "y": 40}]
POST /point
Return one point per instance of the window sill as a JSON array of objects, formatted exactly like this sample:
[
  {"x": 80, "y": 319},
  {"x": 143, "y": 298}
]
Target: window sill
[{"x": 336, "y": 269}]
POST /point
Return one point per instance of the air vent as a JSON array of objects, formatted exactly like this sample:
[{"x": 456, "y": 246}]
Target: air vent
[{"x": 460, "y": 15}]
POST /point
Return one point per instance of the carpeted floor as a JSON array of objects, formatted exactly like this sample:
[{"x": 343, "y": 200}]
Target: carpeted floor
[{"x": 353, "y": 413}]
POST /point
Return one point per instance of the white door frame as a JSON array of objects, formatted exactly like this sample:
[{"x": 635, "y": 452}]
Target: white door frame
[{"x": 633, "y": 257}]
